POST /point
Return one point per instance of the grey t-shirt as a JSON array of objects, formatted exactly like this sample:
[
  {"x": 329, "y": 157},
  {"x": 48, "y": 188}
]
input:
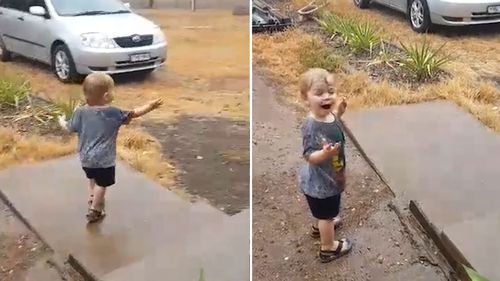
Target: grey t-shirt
[
  {"x": 318, "y": 181},
  {"x": 97, "y": 128}
]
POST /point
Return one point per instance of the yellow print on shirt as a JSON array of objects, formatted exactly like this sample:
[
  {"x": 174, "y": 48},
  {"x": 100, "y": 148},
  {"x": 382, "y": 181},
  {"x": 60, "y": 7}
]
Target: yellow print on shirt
[{"x": 337, "y": 163}]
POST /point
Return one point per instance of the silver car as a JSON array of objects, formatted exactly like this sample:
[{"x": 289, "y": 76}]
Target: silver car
[
  {"x": 423, "y": 14},
  {"x": 77, "y": 37}
]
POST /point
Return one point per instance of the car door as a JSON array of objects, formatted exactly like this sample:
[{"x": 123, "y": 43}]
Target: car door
[
  {"x": 7, "y": 23},
  {"x": 15, "y": 35},
  {"x": 383, "y": 2},
  {"x": 36, "y": 32},
  {"x": 399, "y": 5}
]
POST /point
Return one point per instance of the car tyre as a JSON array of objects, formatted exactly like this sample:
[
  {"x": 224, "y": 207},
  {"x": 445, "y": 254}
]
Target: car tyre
[
  {"x": 419, "y": 16},
  {"x": 5, "y": 55},
  {"x": 63, "y": 65},
  {"x": 362, "y": 4}
]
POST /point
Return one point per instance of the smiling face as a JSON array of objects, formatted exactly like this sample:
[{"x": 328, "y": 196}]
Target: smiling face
[{"x": 318, "y": 89}]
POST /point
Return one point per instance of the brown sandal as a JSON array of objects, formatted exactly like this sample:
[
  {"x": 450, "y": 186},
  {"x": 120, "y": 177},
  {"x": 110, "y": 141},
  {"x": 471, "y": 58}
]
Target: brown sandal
[
  {"x": 94, "y": 215},
  {"x": 328, "y": 256}
]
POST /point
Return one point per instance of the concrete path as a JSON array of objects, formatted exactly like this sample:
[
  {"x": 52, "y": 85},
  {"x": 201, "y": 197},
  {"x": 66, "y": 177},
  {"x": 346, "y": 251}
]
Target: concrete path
[
  {"x": 148, "y": 234},
  {"x": 447, "y": 161}
]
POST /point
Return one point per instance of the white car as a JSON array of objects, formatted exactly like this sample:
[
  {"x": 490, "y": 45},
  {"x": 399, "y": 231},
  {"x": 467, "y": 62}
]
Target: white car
[
  {"x": 77, "y": 37},
  {"x": 422, "y": 14}
]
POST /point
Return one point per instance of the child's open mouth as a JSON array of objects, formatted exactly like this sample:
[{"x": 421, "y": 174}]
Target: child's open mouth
[{"x": 326, "y": 106}]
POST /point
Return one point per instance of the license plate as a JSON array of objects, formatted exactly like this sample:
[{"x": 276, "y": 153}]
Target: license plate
[
  {"x": 139, "y": 57},
  {"x": 494, "y": 9}
]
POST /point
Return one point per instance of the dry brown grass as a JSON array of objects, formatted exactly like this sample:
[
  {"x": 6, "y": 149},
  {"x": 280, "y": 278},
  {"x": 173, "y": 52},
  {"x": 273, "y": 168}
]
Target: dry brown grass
[
  {"x": 280, "y": 54},
  {"x": 143, "y": 153},
  {"x": 17, "y": 149},
  {"x": 468, "y": 87}
]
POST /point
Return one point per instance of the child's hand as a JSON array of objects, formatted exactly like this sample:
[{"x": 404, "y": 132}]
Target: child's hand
[
  {"x": 340, "y": 106},
  {"x": 62, "y": 121},
  {"x": 331, "y": 150},
  {"x": 155, "y": 104}
]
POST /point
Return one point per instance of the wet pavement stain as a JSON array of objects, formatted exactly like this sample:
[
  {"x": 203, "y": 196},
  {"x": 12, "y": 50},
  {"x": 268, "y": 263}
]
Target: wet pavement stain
[{"x": 212, "y": 156}]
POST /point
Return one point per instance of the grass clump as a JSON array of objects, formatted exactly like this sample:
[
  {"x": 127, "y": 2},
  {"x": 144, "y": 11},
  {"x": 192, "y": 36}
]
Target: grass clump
[
  {"x": 313, "y": 54},
  {"x": 13, "y": 91}
]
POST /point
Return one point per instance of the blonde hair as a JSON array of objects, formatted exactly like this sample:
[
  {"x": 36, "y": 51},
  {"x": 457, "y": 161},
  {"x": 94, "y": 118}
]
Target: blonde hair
[
  {"x": 311, "y": 77},
  {"x": 96, "y": 85}
]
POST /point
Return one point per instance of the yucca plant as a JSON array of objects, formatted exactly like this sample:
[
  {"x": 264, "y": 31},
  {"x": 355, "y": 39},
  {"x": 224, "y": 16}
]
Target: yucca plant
[
  {"x": 359, "y": 36},
  {"x": 423, "y": 61},
  {"x": 313, "y": 54},
  {"x": 363, "y": 37},
  {"x": 335, "y": 25},
  {"x": 13, "y": 91},
  {"x": 473, "y": 275}
]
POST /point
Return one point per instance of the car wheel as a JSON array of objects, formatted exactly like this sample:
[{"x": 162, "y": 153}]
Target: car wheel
[
  {"x": 64, "y": 66},
  {"x": 5, "y": 55},
  {"x": 419, "y": 16},
  {"x": 362, "y": 4}
]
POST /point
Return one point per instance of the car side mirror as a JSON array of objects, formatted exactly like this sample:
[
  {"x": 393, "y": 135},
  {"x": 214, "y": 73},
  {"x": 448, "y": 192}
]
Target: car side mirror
[{"x": 38, "y": 11}]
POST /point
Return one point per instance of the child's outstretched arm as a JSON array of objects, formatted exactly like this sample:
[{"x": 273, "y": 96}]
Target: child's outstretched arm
[{"x": 140, "y": 111}]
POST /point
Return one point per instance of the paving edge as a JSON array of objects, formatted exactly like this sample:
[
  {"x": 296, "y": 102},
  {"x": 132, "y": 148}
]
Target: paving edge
[
  {"x": 356, "y": 143},
  {"x": 80, "y": 268},
  {"x": 73, "y": 262},
  {"x": 452, "y": 254}
]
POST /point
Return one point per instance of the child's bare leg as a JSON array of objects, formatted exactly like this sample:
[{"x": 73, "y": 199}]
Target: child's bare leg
[
  {"x": 99, "y": 193},
  {"x": 336, "y": 222},
  {"x": 91, "y": 190},
  {"x": 327, "y": 234}
]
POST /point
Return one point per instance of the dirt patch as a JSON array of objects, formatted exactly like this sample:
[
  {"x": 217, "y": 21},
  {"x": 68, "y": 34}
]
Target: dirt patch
[
  {"x": 212, "y": 158},
  {"x": 233, "y": 84},
  {"x": 384, "y": 248},
  {"x": 23, "y": 256}
]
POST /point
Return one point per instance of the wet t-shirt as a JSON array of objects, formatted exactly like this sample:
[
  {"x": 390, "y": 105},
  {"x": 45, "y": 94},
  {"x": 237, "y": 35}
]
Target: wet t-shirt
[
  {"x": 318, "y": 181},
  {"x": 97, "y": 128}
]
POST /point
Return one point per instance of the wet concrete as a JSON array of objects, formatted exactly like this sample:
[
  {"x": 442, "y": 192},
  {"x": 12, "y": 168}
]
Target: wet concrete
[
  {"x": 448, "y": 162},
  {"x": 147, "y": 229}
]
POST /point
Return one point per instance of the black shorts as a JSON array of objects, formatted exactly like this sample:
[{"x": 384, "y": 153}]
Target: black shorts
[
  {"x": 324, "y": 209},
  {"x": 103, "y": 177}
]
